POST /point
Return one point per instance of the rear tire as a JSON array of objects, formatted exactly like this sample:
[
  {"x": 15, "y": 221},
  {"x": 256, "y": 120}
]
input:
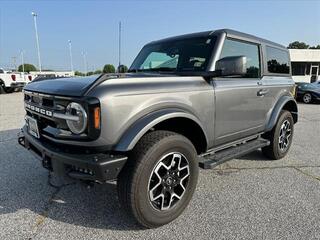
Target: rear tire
[
  {"x": 150, "y": 186},
  {"x": 280, "y": 137}
]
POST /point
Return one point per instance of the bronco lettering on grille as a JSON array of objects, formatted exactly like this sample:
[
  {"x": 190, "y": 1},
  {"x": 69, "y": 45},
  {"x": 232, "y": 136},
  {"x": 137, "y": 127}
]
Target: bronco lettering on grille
[{"x": 38, "y": 110}]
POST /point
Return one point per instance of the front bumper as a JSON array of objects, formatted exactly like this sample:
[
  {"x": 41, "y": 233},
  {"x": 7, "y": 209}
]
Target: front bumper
[{"x": 99, "y": 167}]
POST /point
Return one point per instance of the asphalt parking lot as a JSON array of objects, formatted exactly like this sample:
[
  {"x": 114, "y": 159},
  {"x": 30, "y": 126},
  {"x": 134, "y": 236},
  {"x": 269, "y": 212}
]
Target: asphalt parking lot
[{"x": 247, "y": 198}]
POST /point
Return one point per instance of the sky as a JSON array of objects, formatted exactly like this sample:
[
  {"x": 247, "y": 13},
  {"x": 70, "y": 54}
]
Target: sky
[{"x": 92, "y": 26}]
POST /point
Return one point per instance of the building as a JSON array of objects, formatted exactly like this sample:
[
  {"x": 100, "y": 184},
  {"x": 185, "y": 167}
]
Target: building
[
  {"x": 305, "y": 64},
  {"x": 53, "y": 73}
]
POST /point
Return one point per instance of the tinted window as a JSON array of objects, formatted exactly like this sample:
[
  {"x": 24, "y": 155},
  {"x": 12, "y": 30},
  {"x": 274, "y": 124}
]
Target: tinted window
[
  {"x": 190, "y": 54},
  {"x": 298, "y": 69},
  {"x": 1, "y": 71},
  {"x": 277, "y": 60},
  {"x": 233, "y": 48}
]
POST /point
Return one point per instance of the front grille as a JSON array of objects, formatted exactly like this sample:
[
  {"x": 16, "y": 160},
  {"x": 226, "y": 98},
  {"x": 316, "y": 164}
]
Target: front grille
[
  {"x": 48, "y": 109},
  {"x": 41, "y": 107}
]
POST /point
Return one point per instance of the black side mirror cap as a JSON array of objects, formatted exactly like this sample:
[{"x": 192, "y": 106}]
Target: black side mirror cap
[{"x": 232, "y": 66}]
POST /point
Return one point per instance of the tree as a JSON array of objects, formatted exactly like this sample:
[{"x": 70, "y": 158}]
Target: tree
[
  {"x": 27, "y": 68},
  {"x": 298, "y": 45},
  {"x": 315, "y": 47},
  {"x": 109, "y": 68},
  {"x": 122, "y": 69},
  {"x": 97, "y": 71},
  {"x": 90, "y": 73},
  {"x": 77, "y": 73}
]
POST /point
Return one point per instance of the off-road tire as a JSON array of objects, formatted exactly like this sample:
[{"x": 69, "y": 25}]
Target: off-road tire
[
  {"x": 133, "y": 180},
  {"x": 273, "y": 151}
]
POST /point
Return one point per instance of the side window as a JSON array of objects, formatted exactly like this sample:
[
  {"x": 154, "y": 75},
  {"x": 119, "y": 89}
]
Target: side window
[
  {"x": 233, "y": 48},
  {"x": 277, "y": 60},
  {"x": 1, "y": 71}
]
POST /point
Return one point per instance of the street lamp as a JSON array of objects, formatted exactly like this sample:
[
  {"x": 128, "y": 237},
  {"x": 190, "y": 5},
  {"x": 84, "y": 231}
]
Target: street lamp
[
  {"x": 37, "y": 38},
  {"x": 84, "y": 55},
  {"x": 22, "y": 60},
  {"x": 70, "y": 52}
]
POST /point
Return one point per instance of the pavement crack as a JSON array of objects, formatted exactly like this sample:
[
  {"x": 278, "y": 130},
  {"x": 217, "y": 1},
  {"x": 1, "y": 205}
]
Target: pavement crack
[
  {"x": 44, "y": 214},
  {"x": 309, "y": 175}
]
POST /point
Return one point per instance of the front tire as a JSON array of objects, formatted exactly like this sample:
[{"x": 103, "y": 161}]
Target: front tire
[
  {"x": 307, "y": 98},
  {"x": 159, "y": 178},
  {"x": 280, "y": 137}
]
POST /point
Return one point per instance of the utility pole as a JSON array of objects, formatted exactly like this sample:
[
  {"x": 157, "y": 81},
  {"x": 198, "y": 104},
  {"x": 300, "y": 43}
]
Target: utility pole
[
  {"x": 119, "y": 45},
  {"x": 37, "y": 38},
  {"x": 70, "y": 52}
]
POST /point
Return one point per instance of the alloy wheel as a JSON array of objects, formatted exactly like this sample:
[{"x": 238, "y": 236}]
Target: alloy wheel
[
  {"x": 307, "y": 98},
  {"x": 168, "y": 181},
  {"x": 285, "y": 135}
]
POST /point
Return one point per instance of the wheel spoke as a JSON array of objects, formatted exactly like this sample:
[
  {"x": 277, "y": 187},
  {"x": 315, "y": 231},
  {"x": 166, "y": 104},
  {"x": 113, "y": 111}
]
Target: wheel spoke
[{"x": 168, "y": 181}]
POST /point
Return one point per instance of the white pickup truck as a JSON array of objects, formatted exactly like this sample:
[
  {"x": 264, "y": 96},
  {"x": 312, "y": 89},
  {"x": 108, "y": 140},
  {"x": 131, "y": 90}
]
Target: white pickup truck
[{"x": 13, "y": 81}]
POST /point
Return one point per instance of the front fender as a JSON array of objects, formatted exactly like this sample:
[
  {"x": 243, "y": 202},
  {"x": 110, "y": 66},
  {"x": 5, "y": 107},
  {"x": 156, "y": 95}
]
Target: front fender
[
  {"x": 133, "y": 134},
  {"x": 280, "y": 105}
]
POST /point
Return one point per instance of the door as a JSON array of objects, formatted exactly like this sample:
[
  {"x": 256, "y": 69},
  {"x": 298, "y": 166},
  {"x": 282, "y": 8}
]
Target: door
[
  {"x": 314, "y": 73},
  {"x": 239, "y": 109}
]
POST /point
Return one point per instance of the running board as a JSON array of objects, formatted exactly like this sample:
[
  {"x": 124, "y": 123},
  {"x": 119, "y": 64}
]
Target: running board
[{"x": 213, "y": 160}]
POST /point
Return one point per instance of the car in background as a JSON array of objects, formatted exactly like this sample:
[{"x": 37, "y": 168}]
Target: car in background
[
  {"x": 308, "y": 92},
  {"x": 11, "y": 81}
]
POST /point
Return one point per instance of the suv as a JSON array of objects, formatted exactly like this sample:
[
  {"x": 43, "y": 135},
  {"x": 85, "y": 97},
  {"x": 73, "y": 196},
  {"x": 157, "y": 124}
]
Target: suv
[{"x": 190, "y": 101}]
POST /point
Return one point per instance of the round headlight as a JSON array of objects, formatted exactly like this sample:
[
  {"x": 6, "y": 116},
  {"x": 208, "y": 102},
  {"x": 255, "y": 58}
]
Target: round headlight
[{"x": 79, "y": 124}]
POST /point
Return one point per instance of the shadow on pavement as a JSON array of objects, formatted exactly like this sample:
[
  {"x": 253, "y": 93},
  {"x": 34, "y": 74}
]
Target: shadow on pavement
[{"x": 24, "y": 185}]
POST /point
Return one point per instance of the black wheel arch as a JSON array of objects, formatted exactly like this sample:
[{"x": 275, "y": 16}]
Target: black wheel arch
[
  {"x": 284, "y": 103},
  {"x": 175, "y": 120}
]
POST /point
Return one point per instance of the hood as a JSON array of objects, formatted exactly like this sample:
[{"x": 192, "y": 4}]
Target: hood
[{"x": 77, "y": 86}]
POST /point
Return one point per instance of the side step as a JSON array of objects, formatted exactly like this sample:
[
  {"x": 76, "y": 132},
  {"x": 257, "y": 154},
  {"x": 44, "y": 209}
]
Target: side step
[{"x": 213, "y": 160}]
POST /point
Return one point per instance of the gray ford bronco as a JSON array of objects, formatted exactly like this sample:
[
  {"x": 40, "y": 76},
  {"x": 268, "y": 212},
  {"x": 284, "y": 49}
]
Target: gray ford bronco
[{"x": 190, "y": 101}]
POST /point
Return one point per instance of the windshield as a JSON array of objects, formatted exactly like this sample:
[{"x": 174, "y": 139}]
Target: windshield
[{"x": 185, "y": 55}]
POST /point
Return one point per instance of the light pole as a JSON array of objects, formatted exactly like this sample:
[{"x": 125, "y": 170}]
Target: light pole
[
  {"x": 70, "y": 52},
  {"x": 119, "y": 45},
  {"x": 84, "y": 55},
  {"x": 22, "y": 60},
  {"x": 37, "y": 38}
]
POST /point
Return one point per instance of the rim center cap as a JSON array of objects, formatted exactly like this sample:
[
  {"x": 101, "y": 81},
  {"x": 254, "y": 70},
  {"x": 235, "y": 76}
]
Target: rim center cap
[{"x": 169, "y": 181}]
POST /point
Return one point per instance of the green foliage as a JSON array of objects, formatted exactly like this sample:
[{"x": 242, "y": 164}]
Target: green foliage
[
  {"x": 298, "y": 45},
  {"x": 315, "y": 47},
  {"x": 302, "y": 45},
  {"x": 27, "y": 68},
  {"x": 77, "y": 73},
  {"x": 90, "y": 73},
  {"x": 122, "y": 69},
  {"x": 97, "y": 71},
  {"x": 109, "y": 68}
]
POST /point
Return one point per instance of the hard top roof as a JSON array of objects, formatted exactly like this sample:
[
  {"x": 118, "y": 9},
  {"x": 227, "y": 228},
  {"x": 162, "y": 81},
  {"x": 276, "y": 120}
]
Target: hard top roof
[{"x": 230, "y": 33}]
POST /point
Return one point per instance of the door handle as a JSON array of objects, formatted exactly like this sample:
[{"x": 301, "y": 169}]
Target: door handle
[{"x": 262, "y": 92}]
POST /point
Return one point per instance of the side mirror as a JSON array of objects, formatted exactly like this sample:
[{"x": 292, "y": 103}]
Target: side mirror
[{"x": 232, "y": 66}]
